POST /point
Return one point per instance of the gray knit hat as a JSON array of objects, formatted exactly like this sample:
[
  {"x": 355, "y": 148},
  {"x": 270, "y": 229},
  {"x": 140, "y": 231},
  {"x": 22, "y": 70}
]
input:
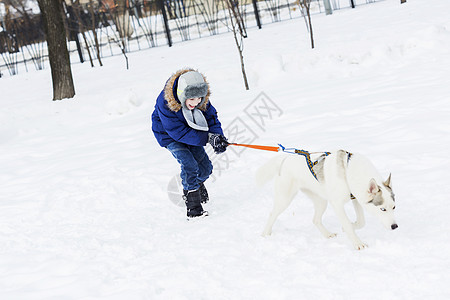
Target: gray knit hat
[{"x": 191, "y": 85}]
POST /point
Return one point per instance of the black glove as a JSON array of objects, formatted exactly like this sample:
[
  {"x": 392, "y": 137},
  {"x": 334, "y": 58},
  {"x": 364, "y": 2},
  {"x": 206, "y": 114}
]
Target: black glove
[{"x": 218, "y": 142}]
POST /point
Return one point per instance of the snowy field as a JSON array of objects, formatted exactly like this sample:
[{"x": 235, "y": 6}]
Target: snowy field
[{"x": 84, "y": 207}]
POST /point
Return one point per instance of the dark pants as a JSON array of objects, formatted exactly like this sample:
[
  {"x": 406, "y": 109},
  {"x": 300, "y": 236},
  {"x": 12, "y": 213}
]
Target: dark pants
[{"x": 195, "y": 164}]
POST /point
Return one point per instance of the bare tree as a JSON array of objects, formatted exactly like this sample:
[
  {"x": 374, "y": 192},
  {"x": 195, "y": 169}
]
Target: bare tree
[
  {"x": 52, "y": 16},
  {"x": 94, "y": 32},
  {"x": 238, "y": 28},
  {"x": 121, "y": 40},
  {"x": 20, "y": 6},
  {"x": 305, "y": 6},
  {"x": 77, "y": 10}
]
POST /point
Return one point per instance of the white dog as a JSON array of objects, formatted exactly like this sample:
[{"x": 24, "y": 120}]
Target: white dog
[{"x": 335, "y": 178}]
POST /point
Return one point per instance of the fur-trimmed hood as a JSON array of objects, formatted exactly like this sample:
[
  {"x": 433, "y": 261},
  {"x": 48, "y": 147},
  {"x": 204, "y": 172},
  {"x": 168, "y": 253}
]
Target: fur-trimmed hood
[{"x": 170, "y": 95}]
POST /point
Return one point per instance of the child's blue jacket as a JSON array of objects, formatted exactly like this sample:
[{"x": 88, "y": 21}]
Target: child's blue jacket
[{"x": 169, "y": 124}]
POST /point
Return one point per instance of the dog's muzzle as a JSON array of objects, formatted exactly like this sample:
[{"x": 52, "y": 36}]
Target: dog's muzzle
[{"x": 394, "y": 226}]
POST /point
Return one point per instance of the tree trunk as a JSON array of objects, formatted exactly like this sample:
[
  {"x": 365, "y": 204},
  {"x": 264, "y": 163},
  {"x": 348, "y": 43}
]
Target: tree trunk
[
  {"x": 52, "y": 17},
  {"x": 310, "y": 27},
  {"x": 305, "y": 6}
]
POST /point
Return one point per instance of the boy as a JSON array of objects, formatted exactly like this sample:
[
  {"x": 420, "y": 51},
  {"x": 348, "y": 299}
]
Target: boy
[{"x": 183, "y": 122}]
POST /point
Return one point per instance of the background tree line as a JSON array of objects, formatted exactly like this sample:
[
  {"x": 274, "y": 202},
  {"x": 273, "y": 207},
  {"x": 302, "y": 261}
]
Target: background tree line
[{"x": 71, "y": 20}]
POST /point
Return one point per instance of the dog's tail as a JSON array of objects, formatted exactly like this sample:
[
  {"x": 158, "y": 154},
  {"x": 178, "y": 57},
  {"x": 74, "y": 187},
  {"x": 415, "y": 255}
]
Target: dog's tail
[{"x": 267, "y": 171}]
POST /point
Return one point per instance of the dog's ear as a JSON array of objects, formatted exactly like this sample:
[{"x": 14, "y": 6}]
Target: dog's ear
[
  {"x": 388, "y": 182},
  {"x": 373, "y": 187}
]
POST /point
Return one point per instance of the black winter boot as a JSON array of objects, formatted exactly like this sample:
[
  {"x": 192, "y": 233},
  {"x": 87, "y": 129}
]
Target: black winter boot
[
  {"x": 203, "y": 193},
  {"x": 193, "y": 205}
]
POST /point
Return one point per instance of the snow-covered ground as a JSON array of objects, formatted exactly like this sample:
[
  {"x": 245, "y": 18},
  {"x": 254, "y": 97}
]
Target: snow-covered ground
[{"x": 84, "y": 207}]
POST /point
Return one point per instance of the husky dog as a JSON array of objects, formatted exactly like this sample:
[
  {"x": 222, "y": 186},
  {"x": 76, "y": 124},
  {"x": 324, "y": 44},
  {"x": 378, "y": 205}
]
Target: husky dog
[{"x": 336, "y": 179}]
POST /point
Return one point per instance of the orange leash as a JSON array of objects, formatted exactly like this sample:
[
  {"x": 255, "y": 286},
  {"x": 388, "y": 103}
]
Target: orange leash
[{"x": 259, "y": 147}]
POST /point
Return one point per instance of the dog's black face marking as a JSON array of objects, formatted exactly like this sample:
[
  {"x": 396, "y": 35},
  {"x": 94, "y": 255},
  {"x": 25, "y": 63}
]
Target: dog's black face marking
[
  {"x": 390, "y": 189},
  {"x": 378, "y": 198},
  {"x": 392, "y": 192}
]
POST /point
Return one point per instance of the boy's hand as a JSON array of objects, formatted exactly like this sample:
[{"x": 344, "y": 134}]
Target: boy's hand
[{"x": 218, "y": 142}]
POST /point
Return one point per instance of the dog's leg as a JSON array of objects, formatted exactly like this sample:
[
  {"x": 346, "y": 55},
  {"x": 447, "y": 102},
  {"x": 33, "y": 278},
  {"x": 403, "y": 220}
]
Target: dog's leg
[
  {"x": 320, "y": 205},
  {"x": 338, "y": 205},
  {"x": 360, "y": 220},
  {"x": 273, "y": 217},
  {"x": 284, "y": 193}
]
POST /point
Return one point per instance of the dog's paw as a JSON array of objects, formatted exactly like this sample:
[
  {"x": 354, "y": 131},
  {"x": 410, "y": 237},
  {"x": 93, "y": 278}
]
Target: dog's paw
[
  {"x": 266, "y": 233},
  {"x": 360, "y": 246},
  {"x": 331, "y": 235}
]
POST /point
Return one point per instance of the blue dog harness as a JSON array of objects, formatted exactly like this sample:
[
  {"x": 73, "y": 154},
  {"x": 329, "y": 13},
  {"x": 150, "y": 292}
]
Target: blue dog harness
[{"x": 307, "y": 156}]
